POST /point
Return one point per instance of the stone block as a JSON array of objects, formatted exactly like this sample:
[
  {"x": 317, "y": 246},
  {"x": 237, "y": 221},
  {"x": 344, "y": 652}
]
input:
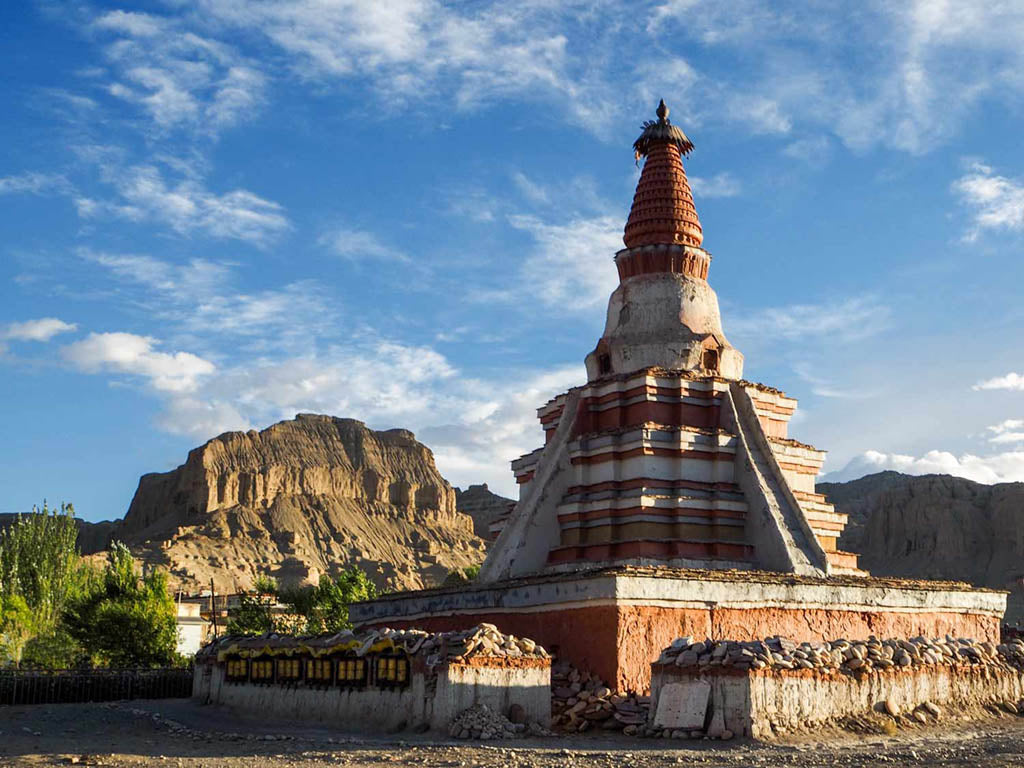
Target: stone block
[{"x": 683, "y": 705}]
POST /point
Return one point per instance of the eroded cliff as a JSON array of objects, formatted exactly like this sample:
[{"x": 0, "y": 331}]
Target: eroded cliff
[
  {"x": 298, "y": 499},
  {"x": 936, "y": 527},
  {"x": 483, "y": 505}
]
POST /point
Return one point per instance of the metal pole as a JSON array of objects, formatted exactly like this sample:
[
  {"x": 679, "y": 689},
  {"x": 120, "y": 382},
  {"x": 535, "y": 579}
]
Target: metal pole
[{"x": 213, "y": 607}]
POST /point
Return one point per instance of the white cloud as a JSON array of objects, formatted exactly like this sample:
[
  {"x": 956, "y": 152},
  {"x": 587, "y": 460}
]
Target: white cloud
[
  {"x": 422, "y": 49},
  {"x": 844, "y": 320},
  {"x": 1011, "y": 381},
  {"x": 905, "y": 75},
  {"x": 202, "y": 419},
  {"x": 474, "y": 426},
  {"x": 471, "y": 202},
  {"x": 179, "y": 77},
  {"x": 1007, "y": 431},
  {"x": 359, "y": 244},
  {"x": 812, "y": 150},
  {"x": 198, "y": 297},
  {"x": 761, "y": 114},
  {"x": 882, "y": 73},
  {"x": 535, "y": 193},
  {"x": 43, "y": 329},
  {"x": 135, "y": 355},
  {"x": 33, "y": 183},
  {"x": 571, "y": 265},
  {"x": 186, "y": 205},
  {"x": 131, "y": 23},
  {"x": 999, "y": 468},
  {"x": 825, "y": 387},
  {"x": 996, "y": 202},
  {"x": 720, "y": 185}
]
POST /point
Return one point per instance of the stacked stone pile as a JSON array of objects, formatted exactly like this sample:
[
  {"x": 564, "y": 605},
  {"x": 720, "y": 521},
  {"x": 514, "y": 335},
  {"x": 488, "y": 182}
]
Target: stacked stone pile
[
  {"x": 581, "y": 701},
  {"x": 437, "y": 648},
  {"x": 845, "y": 656},
  {"x": 483, "y": 723},
  {"x": 481, "y": 640}
]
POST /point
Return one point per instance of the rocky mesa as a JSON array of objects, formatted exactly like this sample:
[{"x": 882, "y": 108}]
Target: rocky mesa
[
  {"x": 298, "y": 499},
  {"x": 936, "y": 527}
]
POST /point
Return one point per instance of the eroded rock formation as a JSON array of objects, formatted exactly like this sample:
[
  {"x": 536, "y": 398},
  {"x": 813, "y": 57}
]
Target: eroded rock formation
[
  {"x": 936, "y": 527},
  {"x": 484, "y": 506},
  {"x": 298, "y": 499}
]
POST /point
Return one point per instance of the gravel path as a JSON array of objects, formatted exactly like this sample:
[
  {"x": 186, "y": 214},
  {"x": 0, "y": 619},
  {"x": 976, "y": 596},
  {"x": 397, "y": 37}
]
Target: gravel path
[{"x": 180, "y": 733}]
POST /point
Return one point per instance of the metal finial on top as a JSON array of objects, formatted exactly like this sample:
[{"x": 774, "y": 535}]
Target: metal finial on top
[{"x": 661, "y": 131}]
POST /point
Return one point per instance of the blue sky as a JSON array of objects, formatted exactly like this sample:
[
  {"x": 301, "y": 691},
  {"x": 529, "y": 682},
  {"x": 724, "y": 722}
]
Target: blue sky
[{"x": 217, "y": 214}]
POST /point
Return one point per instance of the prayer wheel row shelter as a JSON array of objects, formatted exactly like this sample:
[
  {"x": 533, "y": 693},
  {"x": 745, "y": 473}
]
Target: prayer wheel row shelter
[{"x": 376, "y": 680}]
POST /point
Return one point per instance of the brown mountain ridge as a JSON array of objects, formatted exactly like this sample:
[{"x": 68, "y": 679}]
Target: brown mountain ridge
[
  {"x": 298, "y": 499},
  {"x": 936, "y": 527}
]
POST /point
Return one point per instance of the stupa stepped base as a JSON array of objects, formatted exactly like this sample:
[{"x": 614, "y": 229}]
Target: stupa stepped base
[
  {"x": 674, "y": 468},
  {"x": 615, "y": 621}
]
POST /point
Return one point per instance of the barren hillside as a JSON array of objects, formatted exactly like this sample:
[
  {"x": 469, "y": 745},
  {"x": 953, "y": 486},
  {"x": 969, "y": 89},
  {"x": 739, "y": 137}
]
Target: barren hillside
[
  {"x": 936, "y": 527},
  {"x": 298, "y": 499}
]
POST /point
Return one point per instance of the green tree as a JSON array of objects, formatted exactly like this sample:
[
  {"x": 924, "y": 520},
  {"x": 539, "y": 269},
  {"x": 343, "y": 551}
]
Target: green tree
[
  {"x": 308, "y": 609},
  {"x": 461, "y": 577},
  {"x": 253, "y": 616},
  {"x": 39, "y": 570},
  {"x": 126, "y": 619},
  {"x": 332, "y": 597},
  {"x": 17, "y": 627},
  {"x": 38, "y": 561}
]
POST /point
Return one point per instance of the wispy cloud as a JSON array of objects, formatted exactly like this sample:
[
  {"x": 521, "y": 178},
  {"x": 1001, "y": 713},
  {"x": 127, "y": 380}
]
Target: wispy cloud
[
  {"x": 570, "y": 265},
  {"x": 845, "y": 320},
  {"x": 200, "y": 298},
  {"x": 34, "y": 183},
  {"x": 1011, "y": 381},
  {"x": 148, "y": 192},
  {"x": 996, "y": 202},
  {"x": 535, "y": 193},
  {"x": 720, "y": 185},
  {"x": 178, "y": 77},
  {"x": 825, "y": 387},
  {"x": 412, "y": 50},
  {"x": 879, "y": 74},
  {"x": 359, "y": 244},
  {"x": 1007, "y": 431},
  {"x": 43, "y": 329},
  {"x": 813, "y": 150}
]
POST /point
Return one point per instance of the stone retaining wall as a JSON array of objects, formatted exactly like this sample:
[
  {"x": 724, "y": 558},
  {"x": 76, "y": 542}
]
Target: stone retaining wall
[{"x": 764, "y": 703}]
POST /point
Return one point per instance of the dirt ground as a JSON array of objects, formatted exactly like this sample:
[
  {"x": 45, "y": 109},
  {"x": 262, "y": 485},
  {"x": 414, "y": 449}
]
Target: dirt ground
[{"x": 181, "y": 733}]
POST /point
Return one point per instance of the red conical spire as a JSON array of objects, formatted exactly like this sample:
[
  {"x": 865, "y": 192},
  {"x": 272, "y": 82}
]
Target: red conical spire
[{"x": 663, "y": 212}]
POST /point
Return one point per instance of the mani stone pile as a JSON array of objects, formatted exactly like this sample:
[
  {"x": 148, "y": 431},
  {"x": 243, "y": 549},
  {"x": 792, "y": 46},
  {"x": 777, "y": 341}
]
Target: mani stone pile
[
  {"x": 852, "y": 657},
  {"x": 481, "y": 640},
  {"x": 482, "y": 722},
  {"x": 437, "y": 648},
  {"x": 580, "y": 702}
]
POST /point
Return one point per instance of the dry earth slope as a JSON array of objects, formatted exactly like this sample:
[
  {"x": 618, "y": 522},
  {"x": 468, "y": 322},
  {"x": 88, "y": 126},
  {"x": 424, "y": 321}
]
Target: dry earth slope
[
  {"x": 483, "y": 505},
  {"x": 298, "y": 499},
  {"x": 936, "y": 527}
]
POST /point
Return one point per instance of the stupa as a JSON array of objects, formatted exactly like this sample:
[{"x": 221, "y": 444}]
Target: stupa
[
  {"x": 668, "y": 499},
  {"x": 666, "y": 456}
]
